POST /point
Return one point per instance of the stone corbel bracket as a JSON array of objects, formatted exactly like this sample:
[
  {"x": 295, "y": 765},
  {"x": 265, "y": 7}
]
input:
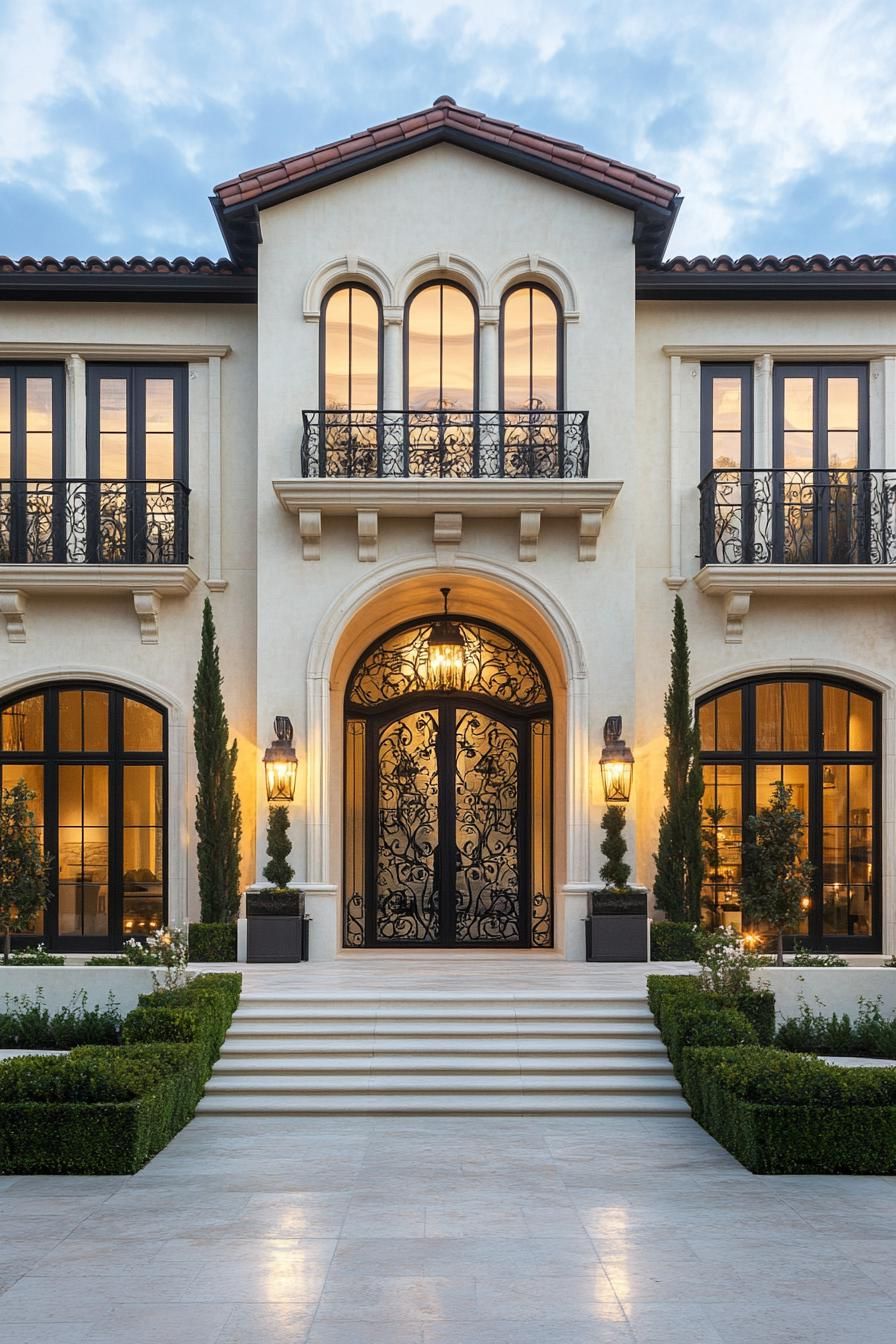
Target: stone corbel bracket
[
  {"x": 13, "y": 604},
  {"x": 737, "y": 608},
  {"x": 148, "y": 605}
]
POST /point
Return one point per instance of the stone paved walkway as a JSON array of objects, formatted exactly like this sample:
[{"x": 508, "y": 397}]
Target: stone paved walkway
[{"x": 446, "y": 1231}]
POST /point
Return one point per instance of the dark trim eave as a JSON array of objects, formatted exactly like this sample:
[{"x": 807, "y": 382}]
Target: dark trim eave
[
  {"x": 653, "y": 222},
  {"x": 763, "y": 285},
  {"x": 126, "y": 288}
]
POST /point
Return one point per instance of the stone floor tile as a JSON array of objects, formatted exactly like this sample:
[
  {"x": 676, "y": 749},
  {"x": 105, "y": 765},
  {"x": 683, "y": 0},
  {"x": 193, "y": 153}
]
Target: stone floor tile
[
  {"x": 266, "y": 1323},
  {"x": 533, "y": 1332},
  {"x": 160, "y": 1323},
  {"x": 409, "y": 1298}
]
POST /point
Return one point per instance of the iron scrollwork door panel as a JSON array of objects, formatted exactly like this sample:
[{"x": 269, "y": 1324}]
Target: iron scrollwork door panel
[
  {"x": 486, "y": 838},
  {"x": 407, "y": 838}
]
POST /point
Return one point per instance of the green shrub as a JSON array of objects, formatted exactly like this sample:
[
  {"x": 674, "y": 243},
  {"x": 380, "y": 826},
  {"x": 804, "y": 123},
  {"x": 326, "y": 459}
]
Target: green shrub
[
  {"x": 34, "y": 956},
  {"x": 758, "y": 1007},
  {"x": 212, "y": 942},
  {"x": 871, "y": 1034},
  {"x": 108, "y": 1110},
  {"x": 778, "y": 1112},
  {"x": 661, "y": 987},
  {"x": 673, "y": 940},
  {"x": 28, "y": 1025},
  {"x": 689, "y": 1021}
]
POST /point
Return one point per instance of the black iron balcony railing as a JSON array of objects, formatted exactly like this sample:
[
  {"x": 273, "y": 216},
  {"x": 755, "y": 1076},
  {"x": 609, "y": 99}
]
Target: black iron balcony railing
[
  {"x": 525, "y": 444},
  {"x": 781, "y": 516},
  {"x": 93, "y": 522}
]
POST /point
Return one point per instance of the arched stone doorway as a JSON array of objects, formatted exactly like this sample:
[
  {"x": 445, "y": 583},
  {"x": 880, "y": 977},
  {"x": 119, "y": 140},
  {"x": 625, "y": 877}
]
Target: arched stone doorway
[{"x": 448, "y": 807}]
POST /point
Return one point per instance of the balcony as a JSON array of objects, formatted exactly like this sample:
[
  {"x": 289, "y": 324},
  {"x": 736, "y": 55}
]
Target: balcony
[
  {"x": 447, "y": 466},
  {"x": 787, "y": 517},
  {"x": 80, "y": 522},
  {"x": 518, "y": 445},
  {"x": 94, "y": 538}
]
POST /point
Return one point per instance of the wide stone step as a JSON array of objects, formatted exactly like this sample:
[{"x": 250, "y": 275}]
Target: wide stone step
[
  {"x": 251, "y": 1047},
  {"x": 416, "y": 1064},
  {"x": 450, "y": 1103},
  {"x": 435, "y": 1082},
  {"x": 431, "y": 1014}
]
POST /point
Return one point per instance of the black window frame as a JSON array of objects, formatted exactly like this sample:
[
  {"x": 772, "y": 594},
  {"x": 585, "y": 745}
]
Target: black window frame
[
  {"x": 748, "y": 757},
  {"x": 19, "y": 371},
  {"x": 709, "y": 372},
  {"x": 136, "y": 376},
  {"x": 821, "y": 374},
  {"x": 116, "y": 758},
  {"x": 561, "y": 345},
  {"x": 445, "y": 284},
  {"x": 322, "y": 353}
]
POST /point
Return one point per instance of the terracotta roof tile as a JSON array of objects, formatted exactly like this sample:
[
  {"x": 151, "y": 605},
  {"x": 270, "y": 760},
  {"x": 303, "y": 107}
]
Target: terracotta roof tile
[
  {"x": 444, "y": 113},
  {"x": 746, "y": 264},
  {"x": 119, "y": 266}
]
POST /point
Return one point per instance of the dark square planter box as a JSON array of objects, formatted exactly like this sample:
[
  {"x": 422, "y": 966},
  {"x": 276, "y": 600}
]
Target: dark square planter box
[
  {"x": 276, "y": 938},
  {"x": 616, "y": 928}
]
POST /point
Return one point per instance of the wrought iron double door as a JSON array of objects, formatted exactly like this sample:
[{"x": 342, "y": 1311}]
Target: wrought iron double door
[{"x": 447, "y": 846}]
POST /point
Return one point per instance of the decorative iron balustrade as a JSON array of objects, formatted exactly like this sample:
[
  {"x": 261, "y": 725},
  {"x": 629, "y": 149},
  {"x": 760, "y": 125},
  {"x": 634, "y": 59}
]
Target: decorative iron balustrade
[
  {"x": 93, "y": 522},
  {"x": 523, "y": 444},
  {"x": 804, "y": 517}
]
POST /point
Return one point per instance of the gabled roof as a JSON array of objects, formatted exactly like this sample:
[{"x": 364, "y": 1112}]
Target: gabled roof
[{"x": 654, "y": 202}]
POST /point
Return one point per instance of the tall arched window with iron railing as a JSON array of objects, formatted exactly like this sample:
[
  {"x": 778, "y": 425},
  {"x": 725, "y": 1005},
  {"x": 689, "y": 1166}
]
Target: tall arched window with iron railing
[
  {"x": 531, "y": 381},
  {"x": 441, "y": 381},
  {"x": 351, "y": 375}
]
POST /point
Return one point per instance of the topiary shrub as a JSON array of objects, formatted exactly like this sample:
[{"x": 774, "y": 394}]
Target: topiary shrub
[
  {"x": 212, "y": 942},
  {"x": 673, "y": 940},
  {"x": 780, "y": 1113},
  {"x": 695, "y": 1021}
]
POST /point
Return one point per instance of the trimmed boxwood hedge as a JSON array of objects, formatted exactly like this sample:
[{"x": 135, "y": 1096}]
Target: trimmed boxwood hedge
[
  {"x": 105, "y": 1109},
  {"x": 757, "y": 1005},
  {"x": 673, "y": 940},
  {"x": 212, "y": 942},
  {"x": 780, "y": 1113}
]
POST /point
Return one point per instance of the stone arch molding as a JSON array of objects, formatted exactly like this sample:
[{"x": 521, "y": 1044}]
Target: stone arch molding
[
  {"x": 542, "y": 271},
  {"x": 345, "y": 609},
  {"x": 339, "y": 271},
  {"x": 443, "y": 266},
  {"x": 816, "y": 667}
]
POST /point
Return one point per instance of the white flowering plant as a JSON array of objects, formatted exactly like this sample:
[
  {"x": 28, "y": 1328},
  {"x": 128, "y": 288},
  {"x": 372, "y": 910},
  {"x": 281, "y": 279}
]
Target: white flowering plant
[
  {"x": 168, "y": 947},
  {"x": 725, "y": 962}
]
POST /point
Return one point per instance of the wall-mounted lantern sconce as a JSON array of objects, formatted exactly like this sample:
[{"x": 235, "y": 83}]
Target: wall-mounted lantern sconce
[
  {"x": 445, "y": 653},
  {"x": 281, "y": 764},
  {"x": 617, "y": 763}
]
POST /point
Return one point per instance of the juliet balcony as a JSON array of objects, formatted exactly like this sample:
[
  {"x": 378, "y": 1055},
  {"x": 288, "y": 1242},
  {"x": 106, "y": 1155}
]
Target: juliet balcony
[
  {"x": 45, "y": 522},
  {"x": 518, "y": 444},
  {"x": 783, "y": 532},
  {"x": 447, "y": 466},
  {"x": 93, "y": 537}
]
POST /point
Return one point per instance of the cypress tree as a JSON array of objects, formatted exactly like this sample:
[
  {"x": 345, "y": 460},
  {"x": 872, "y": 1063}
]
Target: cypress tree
[
  {"x": 219, "y": 823},
  {"x": 615, "y": 871},
  {"x": 679, "y": 856},
  {"x": 277, "y": 870}
]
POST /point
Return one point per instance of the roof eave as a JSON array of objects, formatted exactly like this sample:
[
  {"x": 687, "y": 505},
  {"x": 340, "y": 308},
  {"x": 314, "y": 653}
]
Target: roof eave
[
  {"x": 653, "y": 222},
  {"x": 765, "y": 285},
  {"x": 129, "y": 288}
]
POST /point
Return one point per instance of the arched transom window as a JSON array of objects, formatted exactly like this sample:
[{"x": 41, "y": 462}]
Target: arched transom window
[{"x": 821, "y": 737}]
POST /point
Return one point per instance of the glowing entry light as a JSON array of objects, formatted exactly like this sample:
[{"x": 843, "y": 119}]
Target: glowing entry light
[
  {"x": 445, "y": 653},
  {"x": 617, "y": 763},
  {"x": 281, "y": 764}
]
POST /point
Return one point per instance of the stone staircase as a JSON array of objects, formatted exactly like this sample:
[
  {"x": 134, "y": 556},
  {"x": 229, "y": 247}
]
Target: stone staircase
[{"x": 443, "y": 1053}]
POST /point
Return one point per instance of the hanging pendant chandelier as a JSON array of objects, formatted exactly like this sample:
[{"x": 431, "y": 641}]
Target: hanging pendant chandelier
[{"x": 445, "y": 653}]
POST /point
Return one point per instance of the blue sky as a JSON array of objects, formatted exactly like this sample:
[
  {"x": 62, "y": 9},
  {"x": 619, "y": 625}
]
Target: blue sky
[{"x": 777, "y": 118}]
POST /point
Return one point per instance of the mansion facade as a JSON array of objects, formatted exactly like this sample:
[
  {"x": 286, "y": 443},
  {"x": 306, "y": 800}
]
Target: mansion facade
[{"x": 441, "y": 440}]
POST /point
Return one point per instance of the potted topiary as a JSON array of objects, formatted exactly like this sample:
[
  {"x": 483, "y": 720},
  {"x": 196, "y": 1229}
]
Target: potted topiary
[
  {"x": 616, "y": 928},
  {"x": 275, "y": 914}
]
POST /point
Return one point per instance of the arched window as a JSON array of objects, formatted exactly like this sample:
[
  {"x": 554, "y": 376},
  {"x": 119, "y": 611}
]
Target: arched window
[
  {"x": 821, "y": 736},
  {"x": 440, "y": 368},
  {"x": 351, "y": 373},
  {"x": 448, "y": 810},
  {"x": 531, "y": 365},
  {"x": 95, "y": 759}
]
